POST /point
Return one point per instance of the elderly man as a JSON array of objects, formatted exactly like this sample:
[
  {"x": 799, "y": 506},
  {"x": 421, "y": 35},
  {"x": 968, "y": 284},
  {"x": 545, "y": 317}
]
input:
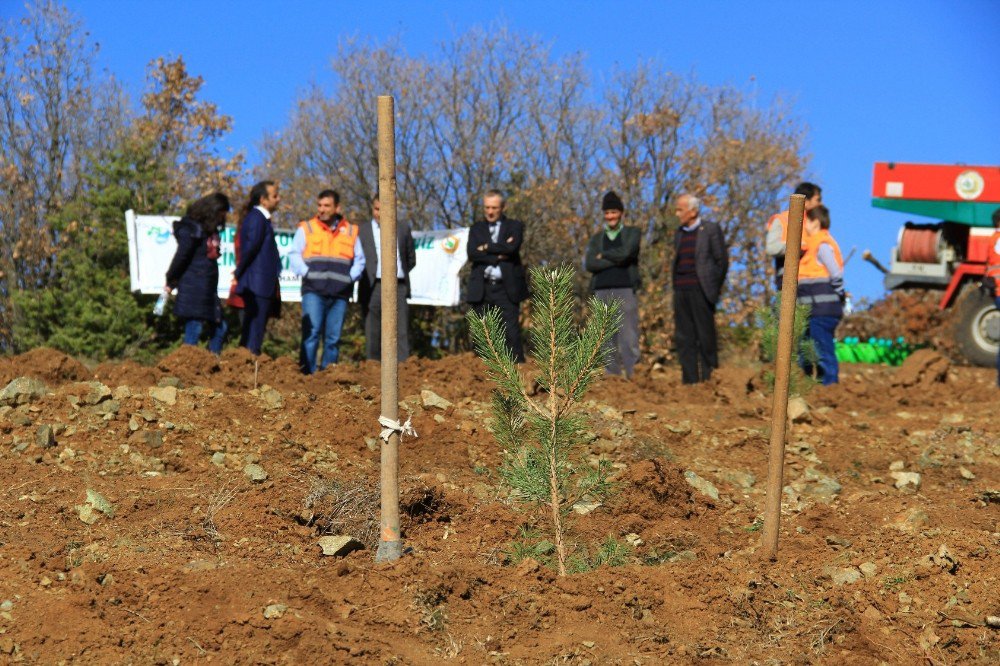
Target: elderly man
[
  {"x": 613, "y": 259},
  {"x": 701, "y": 261},
  {"x": 497, "y": 275}
]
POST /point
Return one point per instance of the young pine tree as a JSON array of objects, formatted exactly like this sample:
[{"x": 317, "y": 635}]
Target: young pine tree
[{"x": 542, "y": 437}]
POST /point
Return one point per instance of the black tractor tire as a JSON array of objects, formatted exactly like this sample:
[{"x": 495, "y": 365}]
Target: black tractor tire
[{"x": 977, "y": 326}]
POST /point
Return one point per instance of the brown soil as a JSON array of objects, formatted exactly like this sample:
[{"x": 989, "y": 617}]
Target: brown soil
[{"x": 198, "y": 564}]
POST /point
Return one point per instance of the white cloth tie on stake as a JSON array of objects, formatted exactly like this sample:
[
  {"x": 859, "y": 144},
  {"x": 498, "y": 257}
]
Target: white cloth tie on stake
[{"x": 389, "y": 426}]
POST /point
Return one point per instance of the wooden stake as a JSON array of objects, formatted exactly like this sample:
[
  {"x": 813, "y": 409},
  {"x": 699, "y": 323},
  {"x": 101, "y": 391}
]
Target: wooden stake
[
  {"x": 390, "y": 545},
  {"x": 782, "y": 367}
]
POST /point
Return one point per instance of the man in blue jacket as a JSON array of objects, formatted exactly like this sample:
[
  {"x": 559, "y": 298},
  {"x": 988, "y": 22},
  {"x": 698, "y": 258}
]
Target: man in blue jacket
[{"x": 259, "y": 267}]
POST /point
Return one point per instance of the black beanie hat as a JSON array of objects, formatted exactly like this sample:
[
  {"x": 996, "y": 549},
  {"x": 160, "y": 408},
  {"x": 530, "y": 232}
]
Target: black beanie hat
[{"x": 612, "y": 201}]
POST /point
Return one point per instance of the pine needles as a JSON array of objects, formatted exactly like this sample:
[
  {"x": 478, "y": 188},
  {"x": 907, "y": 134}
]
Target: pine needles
[{"x": 541, "y": 437}]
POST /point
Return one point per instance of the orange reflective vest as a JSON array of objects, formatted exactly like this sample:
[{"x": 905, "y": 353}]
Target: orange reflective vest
[
  {"x": 993, "y": 262},
  {"x": 815, "y": 285},
  {"x": 329, "y": 253}
]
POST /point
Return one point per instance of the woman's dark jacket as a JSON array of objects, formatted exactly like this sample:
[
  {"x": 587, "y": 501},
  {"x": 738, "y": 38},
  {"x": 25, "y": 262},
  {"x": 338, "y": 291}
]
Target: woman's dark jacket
[{"x": 194, "y": 272}]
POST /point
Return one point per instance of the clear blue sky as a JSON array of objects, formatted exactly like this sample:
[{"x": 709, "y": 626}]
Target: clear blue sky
[{"x": 905, "y": 81}]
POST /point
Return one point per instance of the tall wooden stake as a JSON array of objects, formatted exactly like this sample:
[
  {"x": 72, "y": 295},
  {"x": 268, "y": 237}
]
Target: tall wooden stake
[
  {"x": 390, "y": 545},
  {"x": 782, "y": 367}
]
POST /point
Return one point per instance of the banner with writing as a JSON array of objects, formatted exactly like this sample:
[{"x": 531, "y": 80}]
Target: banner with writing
[{"x": 151, "y": 243}]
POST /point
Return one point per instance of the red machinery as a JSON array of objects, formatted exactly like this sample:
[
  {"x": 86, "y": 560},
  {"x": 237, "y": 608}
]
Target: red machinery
[{"x": 948, "y": 255}]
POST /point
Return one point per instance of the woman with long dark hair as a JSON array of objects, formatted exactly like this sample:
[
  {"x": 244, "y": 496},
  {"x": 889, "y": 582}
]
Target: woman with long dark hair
[{"x": 194, "y": 271}]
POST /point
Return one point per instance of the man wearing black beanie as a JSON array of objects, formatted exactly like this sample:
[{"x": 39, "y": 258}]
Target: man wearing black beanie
[{"x": 613, "y": 258}]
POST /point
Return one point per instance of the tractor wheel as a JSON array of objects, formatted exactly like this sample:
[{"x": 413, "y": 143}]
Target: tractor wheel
[{"x": 977, "y": 326}]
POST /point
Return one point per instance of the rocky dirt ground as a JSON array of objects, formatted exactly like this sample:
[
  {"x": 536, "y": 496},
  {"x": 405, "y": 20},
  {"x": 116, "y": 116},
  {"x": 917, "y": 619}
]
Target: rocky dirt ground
[{"x": 172, "y": 514}]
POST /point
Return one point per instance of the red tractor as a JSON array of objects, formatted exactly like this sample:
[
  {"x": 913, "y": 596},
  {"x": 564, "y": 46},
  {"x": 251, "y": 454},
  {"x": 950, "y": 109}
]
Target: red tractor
[{"x": 949, "y": 255}]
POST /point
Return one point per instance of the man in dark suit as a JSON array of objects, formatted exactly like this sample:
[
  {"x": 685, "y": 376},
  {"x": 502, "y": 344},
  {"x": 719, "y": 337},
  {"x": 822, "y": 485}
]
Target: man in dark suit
[
  {"x": 701, "y": 261},
  {"x": 370, "y": 285},
  {"x": 259, "y": 267},
  {"x": 497, "y": 276}
]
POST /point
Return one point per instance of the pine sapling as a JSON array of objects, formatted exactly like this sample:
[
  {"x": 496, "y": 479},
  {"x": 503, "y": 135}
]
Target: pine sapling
[{"x": 542, "y": 437}]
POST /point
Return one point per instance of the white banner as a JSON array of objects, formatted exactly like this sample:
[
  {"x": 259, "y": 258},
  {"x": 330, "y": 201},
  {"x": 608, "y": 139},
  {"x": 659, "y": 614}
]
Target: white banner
[{"x": 151, "y": 247}]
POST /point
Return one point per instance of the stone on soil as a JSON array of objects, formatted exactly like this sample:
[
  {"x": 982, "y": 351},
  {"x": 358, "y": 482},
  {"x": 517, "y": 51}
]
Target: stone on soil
[
  {"x": 96, "y": 393},
  {"x": 255, "y": 473},
  {"x": 904, "y": 480},
  {"x": 431, "y": 399},
  {"x": 275, "y": 611},
  {"x": 798, "y": 410},
  {"x": 701, "y": 485},
  {"x": 165, "y": 394},
  {"x": 844, "y": 575},
  {"x": 911, "y": 521},
  {"x": 22, "y": 390},
  {"x": 338, "y": 546},
  {"x": 45, "y": 437}
]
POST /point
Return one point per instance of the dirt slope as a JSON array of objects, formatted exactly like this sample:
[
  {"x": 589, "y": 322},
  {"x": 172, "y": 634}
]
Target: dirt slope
[{"x": 200, "y": 564}]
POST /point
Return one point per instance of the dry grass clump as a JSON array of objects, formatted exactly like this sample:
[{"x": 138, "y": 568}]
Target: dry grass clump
[{"x": 352, "y": 508}]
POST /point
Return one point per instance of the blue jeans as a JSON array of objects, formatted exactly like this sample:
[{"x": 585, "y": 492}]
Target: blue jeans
[
  {"x": 821, "y": 333},
  {"x": 216, "y": 333},
  {"x": 321, "y": 314}
]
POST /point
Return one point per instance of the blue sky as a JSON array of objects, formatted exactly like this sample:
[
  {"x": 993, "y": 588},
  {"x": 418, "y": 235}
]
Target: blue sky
[{"x": 912, "y": 81}]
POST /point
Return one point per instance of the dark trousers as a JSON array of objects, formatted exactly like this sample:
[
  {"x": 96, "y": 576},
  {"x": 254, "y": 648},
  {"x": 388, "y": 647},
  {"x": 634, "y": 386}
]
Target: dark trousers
[
  {"x": 694, "y": 334},
  {"x": 373, "y": 323},
  {"x": 255, "y": 312},
  {"x": 494, "y": 295}
]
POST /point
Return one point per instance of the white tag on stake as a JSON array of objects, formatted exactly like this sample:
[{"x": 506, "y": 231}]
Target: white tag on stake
[{"x": 389, "y": 426}]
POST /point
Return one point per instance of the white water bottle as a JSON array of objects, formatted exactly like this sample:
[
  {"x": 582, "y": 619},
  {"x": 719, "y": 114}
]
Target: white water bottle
[{"x": 161, "y": 303}]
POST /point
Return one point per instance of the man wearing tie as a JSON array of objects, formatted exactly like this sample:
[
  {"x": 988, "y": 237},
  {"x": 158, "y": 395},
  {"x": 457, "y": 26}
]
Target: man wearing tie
[
  {"x": 497, "y": 276},
  {"x": 370, "y": 285}
]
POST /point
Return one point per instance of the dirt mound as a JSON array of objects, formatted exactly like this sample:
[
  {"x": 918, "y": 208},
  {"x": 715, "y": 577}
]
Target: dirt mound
[
  {"x": 656, "y": 487},
  {"x": 922, "y": 368},
  {"x": 48, "y": 365}
]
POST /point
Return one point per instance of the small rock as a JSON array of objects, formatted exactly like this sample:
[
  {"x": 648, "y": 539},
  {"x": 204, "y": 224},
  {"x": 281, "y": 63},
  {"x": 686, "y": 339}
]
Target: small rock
[
  {"x": 97, "y": 501},
  {"x": 845, "y": 575},
  {"x": 701, "y": 485},
  {"x": 439, "y": 419},
  {"x": 589, "y": 644},
  {"x": 682, "y": 428},
  {"x": 133, "y": 423},
  {"x": 633, "y": 539},
  {"x": 7, "y": 645},
  {"x": 744, "y": 480},
  {"x": 431, "y": 399},
  {"x": 835, "y": 540},
  {"x": 897, "y": 466},
  {"x": 96, "y": 393},
  {"x": 219, "y": 458},
  {"x": 683, "y": 556},
  {"x": 106, "y": 580},
  {"x": 45, "y": 437},
  {"x": 255, "y": 473},
  {"x": 170, "y": 381},
  {"x": 6, "y": 606},
  {"x": 152, "y": 438},
  {"x": 966, "y": 474},
  {"x": 371, "y": 443},
  {"x": 338, "y": 546},
  {"x": 22, "y": 390},
  {"x": 911, "y": 521},
  {"x": 165, "y": 394},
  {"x": 583, "y": 507},
  {"x": 275, "y": 611},
  {"x": 121, "y": 392},
  {"x": 868, "y": 569},
  {"x": 272, "y": 398},
  {"x": 907, "y": 480},
  {"x": 944, "y": 560},
  {"x": 798, "y": 410}
]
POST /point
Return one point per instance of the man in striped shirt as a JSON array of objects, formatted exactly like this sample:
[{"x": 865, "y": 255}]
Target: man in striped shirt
[{"x": 701, "y": 261}]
